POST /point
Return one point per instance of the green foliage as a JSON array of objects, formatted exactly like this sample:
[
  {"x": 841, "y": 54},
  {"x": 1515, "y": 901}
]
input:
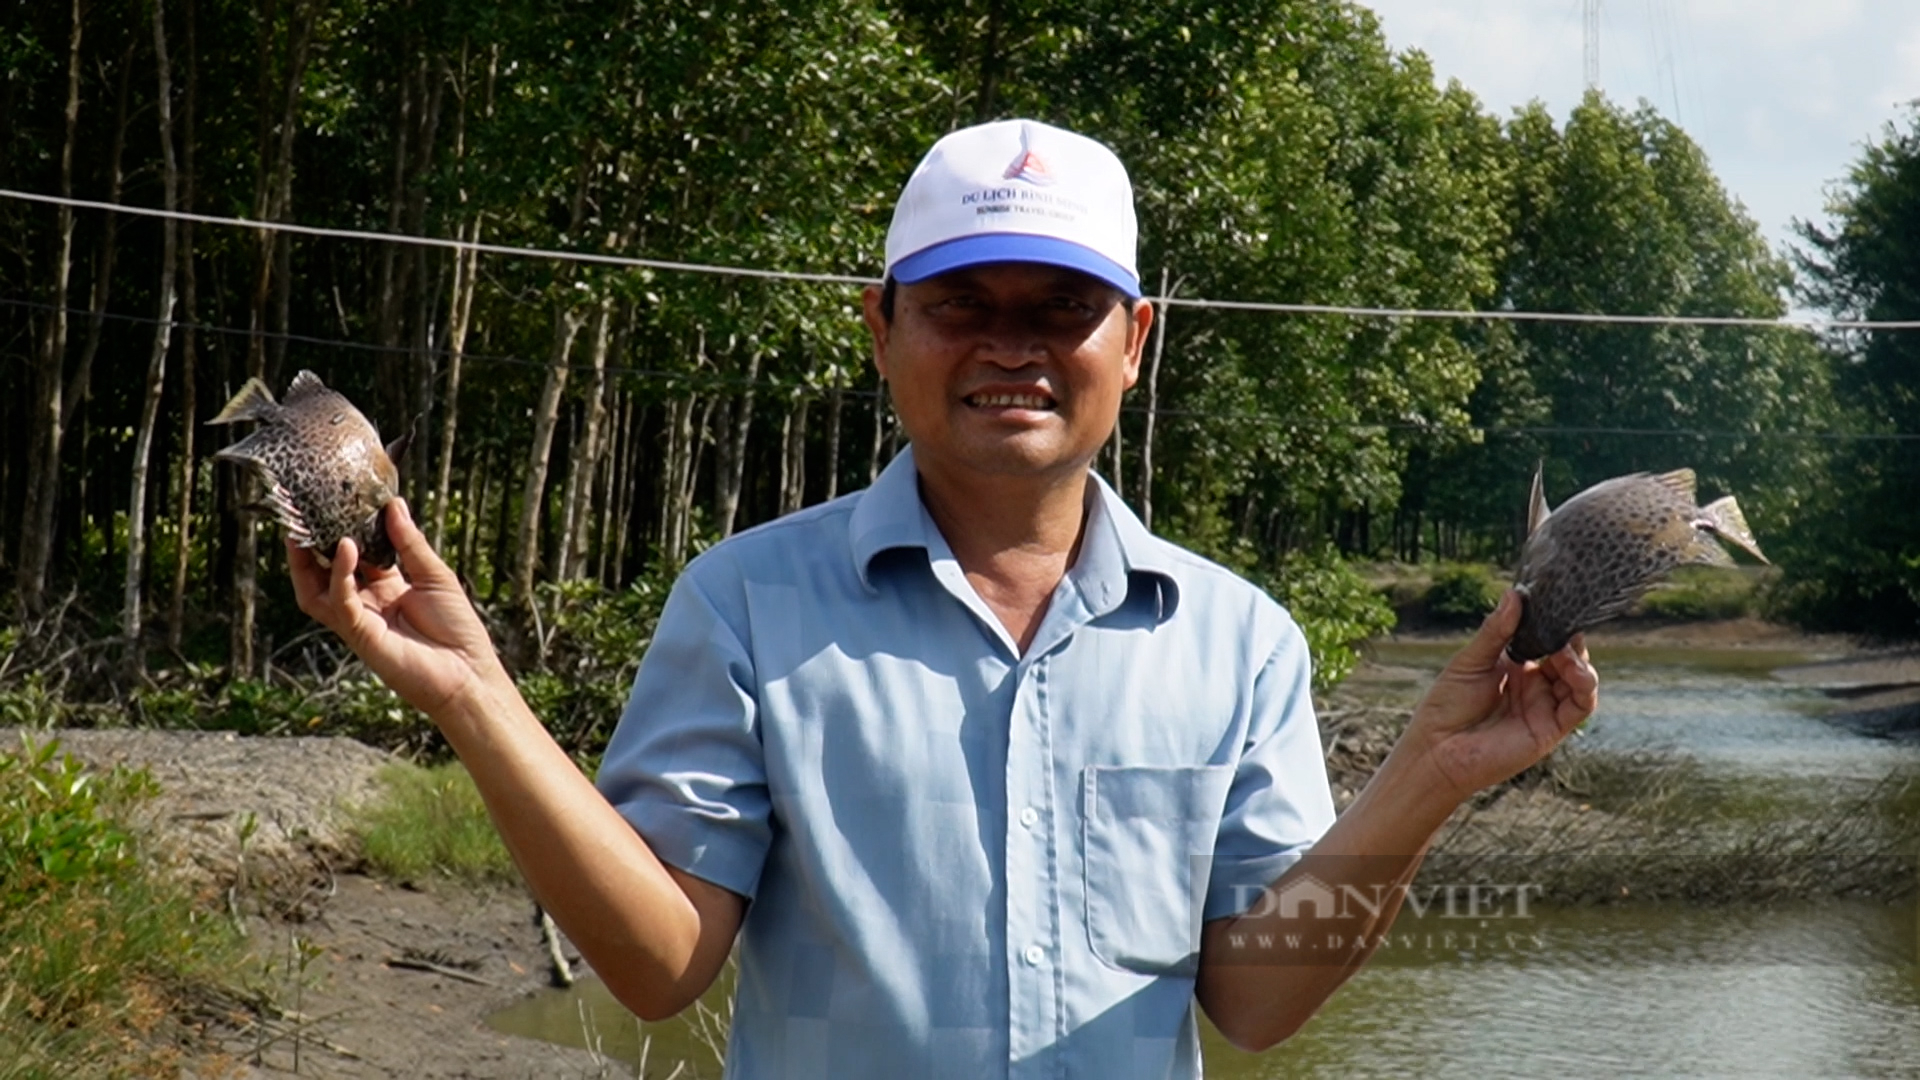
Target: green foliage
[
  {"x": 56, "y": 832},
  {"x": 1854, "y": 562},
  {"x": 1464, "y": 592},
  {"x": 1696, "y": 593},
  {"x": 1335, "y": 607},
  {"x": 596, "y": 638},
  {"x": 94, "y": 939},
  {"x": 431, "y": 822}
]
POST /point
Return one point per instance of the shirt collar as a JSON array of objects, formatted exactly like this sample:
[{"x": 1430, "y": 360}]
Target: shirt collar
[{"x": 1117, "y": 547}]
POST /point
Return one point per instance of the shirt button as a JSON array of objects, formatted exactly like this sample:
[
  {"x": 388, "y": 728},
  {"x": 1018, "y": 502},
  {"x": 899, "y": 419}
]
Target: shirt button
[
  {"x": 1035, "y": 954},
  {"x": 1029, "y": 817}
]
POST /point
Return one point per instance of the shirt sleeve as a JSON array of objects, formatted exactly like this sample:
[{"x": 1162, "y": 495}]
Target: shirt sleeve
[
  {"x": 1279, "y": 802},
  {"x": 685, "y": 765}
]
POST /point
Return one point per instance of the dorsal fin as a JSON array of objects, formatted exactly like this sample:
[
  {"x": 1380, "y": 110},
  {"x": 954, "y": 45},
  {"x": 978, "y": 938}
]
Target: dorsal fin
[
  {"x": 1537, "y": 501},
  {"x": 1679, "y": 481},
  {"x": 306, "y": 382},
  {"x": 253, "y": 402}
]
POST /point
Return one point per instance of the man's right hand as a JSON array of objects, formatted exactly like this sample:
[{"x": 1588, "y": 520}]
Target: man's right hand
[{"x": 415, "y": 629}]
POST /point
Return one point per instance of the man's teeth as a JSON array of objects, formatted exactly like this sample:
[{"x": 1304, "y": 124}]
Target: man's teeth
[{"x": 1014, "y": 401}]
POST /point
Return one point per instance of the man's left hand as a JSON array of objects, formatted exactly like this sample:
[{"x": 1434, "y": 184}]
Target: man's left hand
[{"x": 1489, "y": 716}]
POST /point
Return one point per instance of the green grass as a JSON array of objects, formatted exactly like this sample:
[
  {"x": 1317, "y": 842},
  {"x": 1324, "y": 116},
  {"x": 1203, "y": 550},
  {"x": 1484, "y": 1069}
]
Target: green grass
[
  {"x": 430, "y": 822},
  {"x": 100, "y": 951}
]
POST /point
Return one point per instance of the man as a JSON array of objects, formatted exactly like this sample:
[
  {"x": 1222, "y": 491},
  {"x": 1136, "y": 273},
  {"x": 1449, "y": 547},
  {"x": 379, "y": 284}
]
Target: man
[{"x": 987, "y": 780}]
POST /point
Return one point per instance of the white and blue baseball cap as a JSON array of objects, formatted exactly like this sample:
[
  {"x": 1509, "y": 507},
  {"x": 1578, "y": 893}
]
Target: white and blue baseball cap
[{"x": 1016, "y": 191}]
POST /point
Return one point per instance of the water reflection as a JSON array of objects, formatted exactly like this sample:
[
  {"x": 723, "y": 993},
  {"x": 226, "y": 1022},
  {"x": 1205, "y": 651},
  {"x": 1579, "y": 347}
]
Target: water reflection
[
  {"x": 1720, "y": 707},
  {"x": 1816, "y": 990}
]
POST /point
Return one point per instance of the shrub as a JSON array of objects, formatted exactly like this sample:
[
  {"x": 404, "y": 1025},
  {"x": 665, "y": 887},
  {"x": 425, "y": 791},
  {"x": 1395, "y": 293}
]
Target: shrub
[
  {"x": 96, "y": 946},
  {"x": 1335, "y": 607},
  {"x": 1464, "y": 592}
]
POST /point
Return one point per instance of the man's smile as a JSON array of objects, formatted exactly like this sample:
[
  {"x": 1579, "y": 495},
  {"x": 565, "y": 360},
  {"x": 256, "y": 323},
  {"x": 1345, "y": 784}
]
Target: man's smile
[{"x": 1010, "y": 401}]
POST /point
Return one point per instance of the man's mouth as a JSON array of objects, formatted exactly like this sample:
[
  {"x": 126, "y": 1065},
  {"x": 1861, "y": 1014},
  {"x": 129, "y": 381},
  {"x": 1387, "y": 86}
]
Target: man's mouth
[{"x": 1010, "y": 401}]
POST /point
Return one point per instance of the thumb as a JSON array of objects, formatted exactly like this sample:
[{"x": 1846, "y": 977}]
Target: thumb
[{"x": 1483, "y": 650}]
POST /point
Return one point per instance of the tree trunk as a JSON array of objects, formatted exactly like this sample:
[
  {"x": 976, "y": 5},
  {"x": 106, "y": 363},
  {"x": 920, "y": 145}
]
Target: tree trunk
[
  {"x": 835, "y": 398},
  {"x": 79, "y": 382},
  {"x": 571, "y": 552},
  {"x": 156, "y": 361},
  {"x": 793, "y": 456},
  {"x": 459, "y": 319},
  {"x": 1153, "y": 406},
  {"x": 473, "y": 504},
  {"x": 189, "y": 302},
  {"x": 679, "y": 457},
  {"x": 43, "y": 460},
  {"x": 733, "y": 456},
  {"x": 546, "y": 416},
  {"x": 273, "y": 198},
  {"x": 619, "y": 498}
]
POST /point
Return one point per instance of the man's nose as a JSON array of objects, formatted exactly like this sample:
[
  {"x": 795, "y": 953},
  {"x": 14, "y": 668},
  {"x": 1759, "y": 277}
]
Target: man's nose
[{"x": 1012, "y": 336}]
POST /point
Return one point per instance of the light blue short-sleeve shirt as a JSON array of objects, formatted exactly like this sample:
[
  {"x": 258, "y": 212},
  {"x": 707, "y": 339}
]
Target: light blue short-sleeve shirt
[{"x": 964, "y": 861}]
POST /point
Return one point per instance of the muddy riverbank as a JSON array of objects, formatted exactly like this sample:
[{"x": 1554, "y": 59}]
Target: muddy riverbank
[{"x": 374, "y": 978}]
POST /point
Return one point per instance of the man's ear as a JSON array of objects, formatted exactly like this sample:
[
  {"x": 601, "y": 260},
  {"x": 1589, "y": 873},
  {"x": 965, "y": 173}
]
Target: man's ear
[
  {"x": 1139, "y": 328},
  {"x": 878, "y": 327}
]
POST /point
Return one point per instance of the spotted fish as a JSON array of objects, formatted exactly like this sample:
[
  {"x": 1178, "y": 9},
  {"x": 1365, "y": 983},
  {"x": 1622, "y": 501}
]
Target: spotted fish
[
  {"x": 1589, "y": 560},
  {"x": 326, "y": 473}
]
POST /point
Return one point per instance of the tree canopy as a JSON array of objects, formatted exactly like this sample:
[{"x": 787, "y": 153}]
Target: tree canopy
[{"x": 579, "y": 423}]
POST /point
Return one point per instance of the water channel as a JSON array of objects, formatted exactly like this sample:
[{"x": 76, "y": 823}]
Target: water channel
[{"x": 1814, "y": 989}]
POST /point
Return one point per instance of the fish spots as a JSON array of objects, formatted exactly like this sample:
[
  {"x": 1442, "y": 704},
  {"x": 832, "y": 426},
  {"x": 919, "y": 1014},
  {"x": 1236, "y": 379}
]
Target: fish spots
[
  {"x": 327, "y": 473},
  {"x": 1589, "y": 560}
]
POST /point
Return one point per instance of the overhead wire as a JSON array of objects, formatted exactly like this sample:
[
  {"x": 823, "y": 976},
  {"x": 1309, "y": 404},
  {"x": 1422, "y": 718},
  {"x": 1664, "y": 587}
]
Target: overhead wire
[{"x": 1794, "y": 322}]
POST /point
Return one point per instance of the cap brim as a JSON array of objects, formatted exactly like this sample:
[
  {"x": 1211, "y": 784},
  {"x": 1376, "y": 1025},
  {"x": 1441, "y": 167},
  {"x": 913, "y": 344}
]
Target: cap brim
[{"x": 1013, "y": 247}]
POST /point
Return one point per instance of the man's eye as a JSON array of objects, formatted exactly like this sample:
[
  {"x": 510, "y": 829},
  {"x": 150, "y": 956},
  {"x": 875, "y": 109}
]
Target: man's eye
[
  {"x": 953, "y": 303},
  {"x": 1066, "y": 311}
]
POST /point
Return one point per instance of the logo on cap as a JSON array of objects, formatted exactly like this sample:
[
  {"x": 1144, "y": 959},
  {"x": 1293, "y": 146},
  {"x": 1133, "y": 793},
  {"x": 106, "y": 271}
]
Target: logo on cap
[{"x": 1028, "y": 165}]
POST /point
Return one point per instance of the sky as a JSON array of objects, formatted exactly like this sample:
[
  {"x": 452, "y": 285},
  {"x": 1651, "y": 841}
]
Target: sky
[{"x": 1781, "y": 94}]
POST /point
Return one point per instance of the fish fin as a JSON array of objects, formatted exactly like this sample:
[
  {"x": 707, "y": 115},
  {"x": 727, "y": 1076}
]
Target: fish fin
[
  {"x": 280, "y": 500},
  {"x": 1537, "y": 501},
  {"x": 1723, "y": 516},
  {"x": 253, "y": 402},
  {"x": 242, "y": 452},
  {"x": 397, "y": 449},
  {"x": 1679, "y": 481},
  {"x": 304, "y": 383}
]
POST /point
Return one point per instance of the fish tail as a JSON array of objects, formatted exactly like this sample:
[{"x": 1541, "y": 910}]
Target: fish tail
[
  {"x": 1723, "y": 516},
  {"x": 253, "y": 402}
]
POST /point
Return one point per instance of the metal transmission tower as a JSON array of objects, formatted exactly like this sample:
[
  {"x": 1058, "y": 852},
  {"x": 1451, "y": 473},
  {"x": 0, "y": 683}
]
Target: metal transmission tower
[{"x": 1591, "y": 13}]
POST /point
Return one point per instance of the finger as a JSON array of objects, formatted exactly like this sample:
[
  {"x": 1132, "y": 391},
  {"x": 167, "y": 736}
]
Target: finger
[
  {"x": 309, "y": 580},
  {"x": 1572, "y": 666},
  {"x": 424, "y": 565},
  {"x": 343, "y": 590},
  {"x": 1483, "y": 651}
]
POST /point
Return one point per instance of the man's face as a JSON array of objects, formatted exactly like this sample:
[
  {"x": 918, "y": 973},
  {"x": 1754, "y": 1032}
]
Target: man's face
[{"x": 1008, "y": 368}]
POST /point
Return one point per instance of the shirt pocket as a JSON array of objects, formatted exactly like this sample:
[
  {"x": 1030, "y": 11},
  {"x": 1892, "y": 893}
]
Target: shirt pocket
[{"x": 1150, "y": 834}]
